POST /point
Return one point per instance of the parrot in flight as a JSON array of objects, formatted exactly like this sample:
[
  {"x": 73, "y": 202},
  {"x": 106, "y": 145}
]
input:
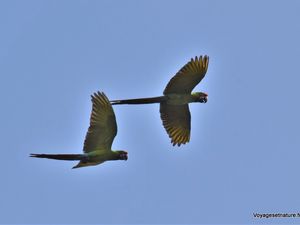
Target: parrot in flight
[
  {"x": 99, "y": 138},
  {"x": 174, "y": 109}
]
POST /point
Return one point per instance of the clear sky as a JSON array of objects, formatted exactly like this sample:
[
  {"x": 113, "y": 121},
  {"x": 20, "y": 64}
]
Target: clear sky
[{"x": 244, "y": 153}]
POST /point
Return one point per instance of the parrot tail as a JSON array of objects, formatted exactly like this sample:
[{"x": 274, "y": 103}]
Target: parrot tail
[
  {"x": 60, "y": 156},
  {"x": 139, "y": 101}
]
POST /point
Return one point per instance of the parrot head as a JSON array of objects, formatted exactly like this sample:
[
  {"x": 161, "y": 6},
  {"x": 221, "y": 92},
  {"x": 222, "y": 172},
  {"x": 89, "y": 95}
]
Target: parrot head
[
  {"x": 122, "y": 155},
  {"x": 200, "y": 97}
]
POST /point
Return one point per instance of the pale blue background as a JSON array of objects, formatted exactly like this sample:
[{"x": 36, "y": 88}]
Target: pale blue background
[{"x": 244, "y": 153}]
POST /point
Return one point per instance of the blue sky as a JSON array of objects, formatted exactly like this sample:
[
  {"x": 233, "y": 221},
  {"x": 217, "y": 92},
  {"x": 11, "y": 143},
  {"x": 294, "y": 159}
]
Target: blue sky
[{"x": 243, "y": 157}]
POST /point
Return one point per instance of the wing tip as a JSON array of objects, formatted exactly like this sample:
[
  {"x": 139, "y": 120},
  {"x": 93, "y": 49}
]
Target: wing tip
[
  {"x": 200, "y": 58},
  {"x": 178, "y": 143},
  {"x": 101, "y": 97}
]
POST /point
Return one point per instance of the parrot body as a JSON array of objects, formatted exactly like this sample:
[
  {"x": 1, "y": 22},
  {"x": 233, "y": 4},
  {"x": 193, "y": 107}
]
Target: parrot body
[
  {"x": 174, "y": 110},
  {"x": 99, "y": 138}
]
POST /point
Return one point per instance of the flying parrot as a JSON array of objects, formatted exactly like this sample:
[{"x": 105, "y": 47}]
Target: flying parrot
[
  {"x": 99, "y": 138},
  {"x": 174, "y": 109}
]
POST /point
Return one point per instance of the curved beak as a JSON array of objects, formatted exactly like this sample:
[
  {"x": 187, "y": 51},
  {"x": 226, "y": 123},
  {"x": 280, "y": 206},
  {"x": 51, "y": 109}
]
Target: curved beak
[{"x": 203, "y": 99}]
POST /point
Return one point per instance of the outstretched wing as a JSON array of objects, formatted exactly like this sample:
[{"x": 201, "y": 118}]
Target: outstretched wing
[
  {"x": 103, "y": 126},
  {"x": 177, "y": 122},
  {"x": 188, "y": 76}
]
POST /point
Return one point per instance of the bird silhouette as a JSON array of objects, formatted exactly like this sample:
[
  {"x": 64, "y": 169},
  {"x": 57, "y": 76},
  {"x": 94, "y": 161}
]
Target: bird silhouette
[
  {"x": 99, "y": 138},
  {"x": 174, "y": 109}
]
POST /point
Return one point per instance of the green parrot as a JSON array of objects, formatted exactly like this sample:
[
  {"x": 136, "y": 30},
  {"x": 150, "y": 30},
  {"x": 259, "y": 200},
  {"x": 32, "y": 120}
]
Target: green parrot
[
  {"x": 174, "y": 109},
  {"x": 99, "y": 138}
]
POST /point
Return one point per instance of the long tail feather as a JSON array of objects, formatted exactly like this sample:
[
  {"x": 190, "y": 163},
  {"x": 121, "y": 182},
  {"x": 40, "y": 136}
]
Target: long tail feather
[
  {"x": 139, "y": 101},
  {"x": 59, "y": 156}
]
